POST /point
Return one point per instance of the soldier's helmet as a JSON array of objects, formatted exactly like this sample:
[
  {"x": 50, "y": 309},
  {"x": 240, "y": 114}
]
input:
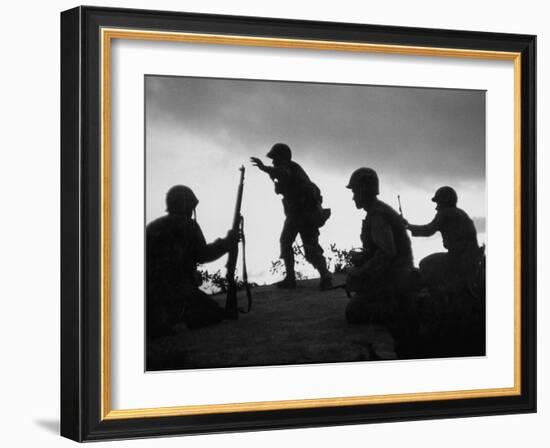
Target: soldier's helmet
[
  {"x": 365, "y": 178},
  {"x": 180, "y": 198},
  {"x": 445, "y": 196},
  {"x": 280, "y": 151}
]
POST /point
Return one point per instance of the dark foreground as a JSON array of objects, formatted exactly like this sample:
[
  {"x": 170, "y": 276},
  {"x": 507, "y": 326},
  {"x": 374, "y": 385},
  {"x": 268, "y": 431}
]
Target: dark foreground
[{"x": 304, "y": 326}]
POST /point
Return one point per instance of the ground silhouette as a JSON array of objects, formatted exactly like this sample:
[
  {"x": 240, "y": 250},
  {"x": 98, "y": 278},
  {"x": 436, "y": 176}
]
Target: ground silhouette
[{"x": 298, "y": 326}]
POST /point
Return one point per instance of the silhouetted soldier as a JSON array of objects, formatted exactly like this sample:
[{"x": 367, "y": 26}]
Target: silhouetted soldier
[
  {"x": 303, "y": 211},
  {"x": 384, "y": 271},
  {"x": 455, "y": 270},
  {"x": 175, "y": 244}
]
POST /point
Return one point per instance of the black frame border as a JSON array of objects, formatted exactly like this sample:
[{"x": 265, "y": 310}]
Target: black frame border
[{"x": 81, "y": 223}]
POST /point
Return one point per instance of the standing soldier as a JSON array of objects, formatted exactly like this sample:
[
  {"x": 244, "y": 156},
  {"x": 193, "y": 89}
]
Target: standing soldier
[
  {"x": 384, "y": 270},
  {"x": 455, "y": 270},
  {"x": 304, "y": 214},
  {"x": 175, "y": 244}
]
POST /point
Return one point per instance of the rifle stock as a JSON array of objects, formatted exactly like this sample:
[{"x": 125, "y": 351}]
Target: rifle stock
[{"x": 231, "y": 305}]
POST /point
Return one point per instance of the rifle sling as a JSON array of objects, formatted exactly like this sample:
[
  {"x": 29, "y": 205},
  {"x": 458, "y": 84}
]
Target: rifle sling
[{"x": 245, "y": 273}]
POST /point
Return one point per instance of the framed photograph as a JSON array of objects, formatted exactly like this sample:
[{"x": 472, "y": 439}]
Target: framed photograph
[{"x": 275, "y": 224}]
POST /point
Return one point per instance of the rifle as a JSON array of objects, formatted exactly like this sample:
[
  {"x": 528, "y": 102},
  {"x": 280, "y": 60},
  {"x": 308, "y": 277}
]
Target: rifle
[
  {"x": 399, "y": 202},
  {"x": 231, "y": 304}
]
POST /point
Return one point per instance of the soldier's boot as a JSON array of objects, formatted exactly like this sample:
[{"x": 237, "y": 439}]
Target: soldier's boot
[
  {"x": 326, "y": 277},
  {"x": 326, "y": 283},
  {"x": 289, "y": 282}
]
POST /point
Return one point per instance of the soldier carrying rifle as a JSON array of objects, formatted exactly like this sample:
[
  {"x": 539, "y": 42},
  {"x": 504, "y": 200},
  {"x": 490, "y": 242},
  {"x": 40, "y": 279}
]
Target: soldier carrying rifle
[{"x": 175, "y": 245}]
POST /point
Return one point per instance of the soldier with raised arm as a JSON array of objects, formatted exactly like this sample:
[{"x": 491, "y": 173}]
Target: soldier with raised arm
[
  {"x": 175, "y": 245},
  {"x": 454, "y": 270},
  {"x": 304, "y": 215}
]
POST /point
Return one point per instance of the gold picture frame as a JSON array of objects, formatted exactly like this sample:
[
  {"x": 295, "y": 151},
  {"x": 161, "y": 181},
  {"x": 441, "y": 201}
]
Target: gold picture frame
[{"x": 101, "y": 31}]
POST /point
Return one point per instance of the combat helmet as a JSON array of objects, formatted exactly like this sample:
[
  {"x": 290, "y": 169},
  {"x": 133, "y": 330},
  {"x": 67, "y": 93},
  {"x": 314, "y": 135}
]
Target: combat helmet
[
  {"x": 280, "y": 151},
  {"x": 365, "y": 178},
  {"x": 446, "y": 197},
  {"x": 180, "y": 198}
]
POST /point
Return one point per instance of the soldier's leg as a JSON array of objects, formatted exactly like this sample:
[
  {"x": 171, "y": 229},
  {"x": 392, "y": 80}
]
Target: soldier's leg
[
  {"x": 288, "y": 235},
  {"x": 201, "y": 310},
  {"x": 314, "y": 254},
  {"x": 357, "y": 311},
  {"x": 435, "y": 273},
  {"x": 163, "y": 308},
  {"x": 376, "y": 307},
  {"x": 466, "y": 263},
  {"x": 158, "y": 322}
]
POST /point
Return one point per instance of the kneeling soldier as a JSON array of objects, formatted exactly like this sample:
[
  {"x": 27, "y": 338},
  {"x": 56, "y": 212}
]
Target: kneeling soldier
[
  {"x": 385, "y": 269},
  {"x": 175, "y": 245},
  {"x": 455, "y": 270}
]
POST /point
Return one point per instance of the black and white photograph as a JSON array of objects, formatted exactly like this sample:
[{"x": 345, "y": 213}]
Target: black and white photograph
[
  {"x": 277, "y": 221},
  {"x": 294, "y": 223}
]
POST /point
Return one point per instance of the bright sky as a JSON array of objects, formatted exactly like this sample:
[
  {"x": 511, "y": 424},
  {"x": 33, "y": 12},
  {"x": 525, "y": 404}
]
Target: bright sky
[{"x": 199, "y": 131}]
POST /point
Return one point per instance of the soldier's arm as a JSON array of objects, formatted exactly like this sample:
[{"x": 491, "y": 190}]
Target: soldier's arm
[
  {"x": 214, "y": 250},
  {"x": 426, "y": 229},
  {"x": 381, "y": 258},
  {"x": 207, "y": 252},
  {"x": 273, "y": 172},
  {"x": 279, "y": 173},
  {"x": 382, "y": 237}
]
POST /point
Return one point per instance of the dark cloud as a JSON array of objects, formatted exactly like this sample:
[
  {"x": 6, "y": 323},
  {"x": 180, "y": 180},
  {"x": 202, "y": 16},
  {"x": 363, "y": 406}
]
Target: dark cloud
[{"x": 429, "y": 135}]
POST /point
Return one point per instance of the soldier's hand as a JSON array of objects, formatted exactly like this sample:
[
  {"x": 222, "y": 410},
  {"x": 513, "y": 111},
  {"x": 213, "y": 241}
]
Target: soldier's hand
[
  {"x": 257, "y": 162},
  {"x": 405, "y": 223},
  {"x": 357, "y": 257},
  {"x": 232, "y": 237}
]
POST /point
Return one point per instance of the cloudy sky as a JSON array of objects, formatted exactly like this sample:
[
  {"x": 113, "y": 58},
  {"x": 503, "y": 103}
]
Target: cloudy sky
[{"x": 199, "y": 131}]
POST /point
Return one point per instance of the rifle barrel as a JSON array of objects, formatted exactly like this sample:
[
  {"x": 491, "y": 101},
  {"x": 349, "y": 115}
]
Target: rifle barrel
[
  {"x": 399, "y": 202},
  {"x": 231, "y": 305}
]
